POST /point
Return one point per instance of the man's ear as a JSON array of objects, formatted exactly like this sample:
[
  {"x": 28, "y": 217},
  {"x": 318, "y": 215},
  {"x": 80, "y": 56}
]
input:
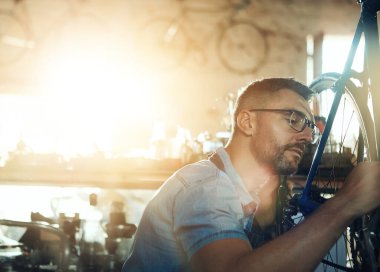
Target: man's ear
[{"x": 246, "y": 122}]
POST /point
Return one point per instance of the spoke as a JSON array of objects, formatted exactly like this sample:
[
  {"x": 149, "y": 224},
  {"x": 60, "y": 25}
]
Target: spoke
[{"x": 336, "y": 266}]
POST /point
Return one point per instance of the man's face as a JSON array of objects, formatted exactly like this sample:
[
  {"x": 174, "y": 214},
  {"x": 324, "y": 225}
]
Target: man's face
[{"x": 275, "y": 144}]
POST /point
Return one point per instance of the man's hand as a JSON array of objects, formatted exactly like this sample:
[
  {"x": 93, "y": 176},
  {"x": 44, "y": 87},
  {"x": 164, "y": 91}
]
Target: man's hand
[{"x": 361, "y": 189}]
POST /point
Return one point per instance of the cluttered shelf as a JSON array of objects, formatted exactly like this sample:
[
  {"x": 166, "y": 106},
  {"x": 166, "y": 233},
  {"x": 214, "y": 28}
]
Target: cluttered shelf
[
  {"x": 147, "y": 178},
  {"x": 131, "y": 173},
  {"x": 22, "y": 166}
]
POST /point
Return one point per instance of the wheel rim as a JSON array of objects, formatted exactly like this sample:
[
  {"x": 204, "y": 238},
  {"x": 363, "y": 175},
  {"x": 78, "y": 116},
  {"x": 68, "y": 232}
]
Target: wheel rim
[{"x": 243, "y": 48}]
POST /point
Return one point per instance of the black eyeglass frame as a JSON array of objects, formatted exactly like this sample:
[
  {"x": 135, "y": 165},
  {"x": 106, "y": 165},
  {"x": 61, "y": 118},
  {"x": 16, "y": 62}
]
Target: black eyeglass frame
[{"x": 306, "y": 123}]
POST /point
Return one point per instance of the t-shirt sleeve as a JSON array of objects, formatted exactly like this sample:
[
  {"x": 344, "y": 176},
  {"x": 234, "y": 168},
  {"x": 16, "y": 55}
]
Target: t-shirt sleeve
[{"x": 206, "y": 212}]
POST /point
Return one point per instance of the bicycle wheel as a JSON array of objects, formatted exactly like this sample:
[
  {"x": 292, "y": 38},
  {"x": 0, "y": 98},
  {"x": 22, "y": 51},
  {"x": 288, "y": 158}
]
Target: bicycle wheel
[
  {"x": 351, "y": 140},
  {"x": 14, "y": 38},
  {"x": 242, "y": 47},
  {"x": 162, "y": 43}
]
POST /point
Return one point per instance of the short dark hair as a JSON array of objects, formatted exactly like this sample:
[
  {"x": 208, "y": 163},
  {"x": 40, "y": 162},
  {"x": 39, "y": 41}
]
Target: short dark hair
[{"x": 257, "y": 93}]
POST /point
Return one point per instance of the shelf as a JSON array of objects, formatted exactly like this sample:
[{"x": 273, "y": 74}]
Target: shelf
[{"x": 144, "y": 179}]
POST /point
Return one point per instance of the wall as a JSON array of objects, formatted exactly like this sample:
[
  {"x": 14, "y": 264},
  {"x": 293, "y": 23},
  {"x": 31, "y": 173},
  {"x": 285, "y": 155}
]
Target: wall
[{"x": 194, "y": 93}]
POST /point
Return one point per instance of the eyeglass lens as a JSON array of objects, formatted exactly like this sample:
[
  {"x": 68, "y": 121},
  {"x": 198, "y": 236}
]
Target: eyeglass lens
[{"x": 299, "y": 122}]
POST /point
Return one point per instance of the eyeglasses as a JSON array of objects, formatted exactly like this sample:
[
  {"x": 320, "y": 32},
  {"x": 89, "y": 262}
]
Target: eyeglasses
[{"x": 297, "y": 121}]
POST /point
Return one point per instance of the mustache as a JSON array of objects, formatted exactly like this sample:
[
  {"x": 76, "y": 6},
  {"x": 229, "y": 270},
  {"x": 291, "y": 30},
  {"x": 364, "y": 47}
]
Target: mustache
[{"x": 300, "y": 146}]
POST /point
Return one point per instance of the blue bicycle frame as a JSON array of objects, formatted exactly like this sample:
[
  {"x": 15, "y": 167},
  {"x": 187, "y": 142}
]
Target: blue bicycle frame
[{"x": 367, "y": 25}]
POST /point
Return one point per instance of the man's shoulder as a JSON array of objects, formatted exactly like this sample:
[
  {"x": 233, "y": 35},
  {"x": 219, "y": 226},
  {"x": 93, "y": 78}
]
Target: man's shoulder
[
  {"x": 198, "y": 171},
  {"x": 194, "y": 173}
]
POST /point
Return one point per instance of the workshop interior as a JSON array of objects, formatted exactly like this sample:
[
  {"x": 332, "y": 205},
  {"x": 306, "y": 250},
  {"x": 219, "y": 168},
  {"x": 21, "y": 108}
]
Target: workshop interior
[{"x": 102, "y": 100}]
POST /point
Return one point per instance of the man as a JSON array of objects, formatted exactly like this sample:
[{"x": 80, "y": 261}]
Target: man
[{"x": 199, "y": 218}]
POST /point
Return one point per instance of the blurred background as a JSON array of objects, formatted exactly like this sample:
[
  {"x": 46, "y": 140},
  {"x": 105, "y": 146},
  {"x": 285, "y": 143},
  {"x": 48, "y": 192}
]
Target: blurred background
[{"x": 101, "y": 100}]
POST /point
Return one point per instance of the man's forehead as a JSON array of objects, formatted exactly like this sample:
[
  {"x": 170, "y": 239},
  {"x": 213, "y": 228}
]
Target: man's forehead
[{"x": 289, "y": 99}]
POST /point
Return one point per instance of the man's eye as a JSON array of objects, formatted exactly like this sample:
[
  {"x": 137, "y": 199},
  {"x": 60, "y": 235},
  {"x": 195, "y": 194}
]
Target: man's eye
[
  {"x": 292, "y": 121},
  {"x": 296, "y": 121},
  {"x": 297, "y": 117},
  {"x": 293, "y": 118}
]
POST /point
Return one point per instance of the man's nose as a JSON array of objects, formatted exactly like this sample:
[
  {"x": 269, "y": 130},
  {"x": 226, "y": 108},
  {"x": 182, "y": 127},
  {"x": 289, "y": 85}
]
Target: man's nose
[{"x": 306, "y": 135}]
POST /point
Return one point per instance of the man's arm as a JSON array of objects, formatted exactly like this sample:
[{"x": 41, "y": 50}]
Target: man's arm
[{"x": 302, "y": 248}]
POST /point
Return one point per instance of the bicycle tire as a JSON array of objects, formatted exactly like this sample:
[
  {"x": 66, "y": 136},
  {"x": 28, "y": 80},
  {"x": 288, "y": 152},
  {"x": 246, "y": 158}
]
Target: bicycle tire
[
  {"x": 357, "y": 134},
  {"x": 14, "y": 38},
  {"x": 242, "y": 47},
  {"x": 162, "y": 43}
]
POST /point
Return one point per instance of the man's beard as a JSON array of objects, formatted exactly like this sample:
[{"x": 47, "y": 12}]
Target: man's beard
[{"x": 284, "y": 166}]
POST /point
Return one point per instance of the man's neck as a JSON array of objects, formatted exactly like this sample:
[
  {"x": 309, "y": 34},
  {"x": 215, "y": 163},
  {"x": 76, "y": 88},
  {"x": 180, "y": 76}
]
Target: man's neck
[{"x": 254, "y": 175}]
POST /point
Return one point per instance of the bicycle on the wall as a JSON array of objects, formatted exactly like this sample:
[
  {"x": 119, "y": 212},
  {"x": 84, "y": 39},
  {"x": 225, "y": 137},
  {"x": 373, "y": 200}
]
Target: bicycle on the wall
[
  {"x": 347, "y": 107},
  {"x": 20, "y": 35},
  {"x": 168, "y": 41}
]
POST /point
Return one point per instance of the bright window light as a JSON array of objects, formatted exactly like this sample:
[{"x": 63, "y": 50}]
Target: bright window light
[{"x": 335, "y": 49}]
